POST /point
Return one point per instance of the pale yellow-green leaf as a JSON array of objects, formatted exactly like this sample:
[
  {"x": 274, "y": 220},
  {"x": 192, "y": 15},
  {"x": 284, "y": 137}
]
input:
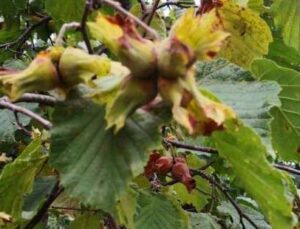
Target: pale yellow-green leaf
[
  {"x": 287, "y": 18},
  {"x": 87, "y": 221},
  {"x": 286, "y": 118},
  {"x": 256, "y": 5},
  {"x": 196, "y": 198},
  {"x": 270, "y": 188},
  {"x": 250, "y": 34},
  {"x": 17, "y": 178}
]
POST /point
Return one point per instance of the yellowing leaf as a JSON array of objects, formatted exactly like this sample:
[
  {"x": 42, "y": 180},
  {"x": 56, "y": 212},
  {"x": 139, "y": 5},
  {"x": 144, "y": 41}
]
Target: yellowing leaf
[
  {"x": 16, "y": 179},
  {"x": 249, "y": 34},
  {"x": 270, "y": 188},
  {"x": 195, "y": 198},
  {"x": 287, "y": 17}
]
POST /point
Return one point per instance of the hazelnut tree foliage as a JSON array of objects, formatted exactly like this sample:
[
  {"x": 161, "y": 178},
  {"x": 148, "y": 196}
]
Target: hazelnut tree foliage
[{"x": 149, "y": 114}]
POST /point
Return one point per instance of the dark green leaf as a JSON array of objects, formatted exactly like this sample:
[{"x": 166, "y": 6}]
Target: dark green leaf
[
  {"x": 95, "y": 164},
  {"x": 42, "y": 187},
  {"x": 284, "y": 55},
  {"x": 227, "y": 209},
  {"x": 286, "y": 123},
  {"x": 287, "y": 18},
  {"x": 8, "y": 122},
  {"x": 66, "y": 11},
  {"x": 156, "y": 211},
  {"x": 250, "y": 99}
]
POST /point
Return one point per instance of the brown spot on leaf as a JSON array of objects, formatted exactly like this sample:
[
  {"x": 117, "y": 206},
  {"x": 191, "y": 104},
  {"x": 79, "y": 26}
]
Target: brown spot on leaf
[
  {"x": 211, "y": 126},
  {"x": 211, "y": 54},
  {"x": 186, "y": 98}
]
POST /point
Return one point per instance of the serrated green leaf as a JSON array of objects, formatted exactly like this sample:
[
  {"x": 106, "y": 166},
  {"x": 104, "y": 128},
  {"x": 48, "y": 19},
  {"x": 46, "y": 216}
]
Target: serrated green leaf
[
  {"x": 284, "y": 55},
  {"x": 250, "y": 34},
  {"x": 236, "y": 87},
  {"x": 126, "y": 208},
  {"x": 156, "y": 211},
  {"x": 204, "y": 221},
  {"x": 95, "y": 165},
  {"x": 66, "y": 11},
  {"x": 286, "y": 123},
  {"x": 42, "y": 187},
  {"x": 10, "y": 9},
  {"x": 242, "y": 147},
  {"x": 287, "y": 18},
  {"x": 227, "y": 209},
  {"x": 16, "y": 179},
  {"x": 8, "y": 123}
]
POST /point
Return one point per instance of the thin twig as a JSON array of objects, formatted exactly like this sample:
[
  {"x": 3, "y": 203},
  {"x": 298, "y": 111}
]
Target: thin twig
[
  {"x": 228, "y": 196},
  {"x": 87, "y": 9},
  {"x": 207, "y": 194},
  {"x": 182, "y": 145},
  {"x": 152, "y": 12},
  {"x": 57, "y": 190},
  {"x": 26, "y": 34},
  {"x": 175, "y": 3},
  {"x": 287, "y": 169},
  {"x": 172, "y": 182},
  {"x": 117, "y": 7},
  {"x": 36, "y": 98},
  {"x": 4, "y": 104},
  {"x": 74, "y": 209},
  {"x": 60, "y": 37},
  {"x": 143, "y": 5}
]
